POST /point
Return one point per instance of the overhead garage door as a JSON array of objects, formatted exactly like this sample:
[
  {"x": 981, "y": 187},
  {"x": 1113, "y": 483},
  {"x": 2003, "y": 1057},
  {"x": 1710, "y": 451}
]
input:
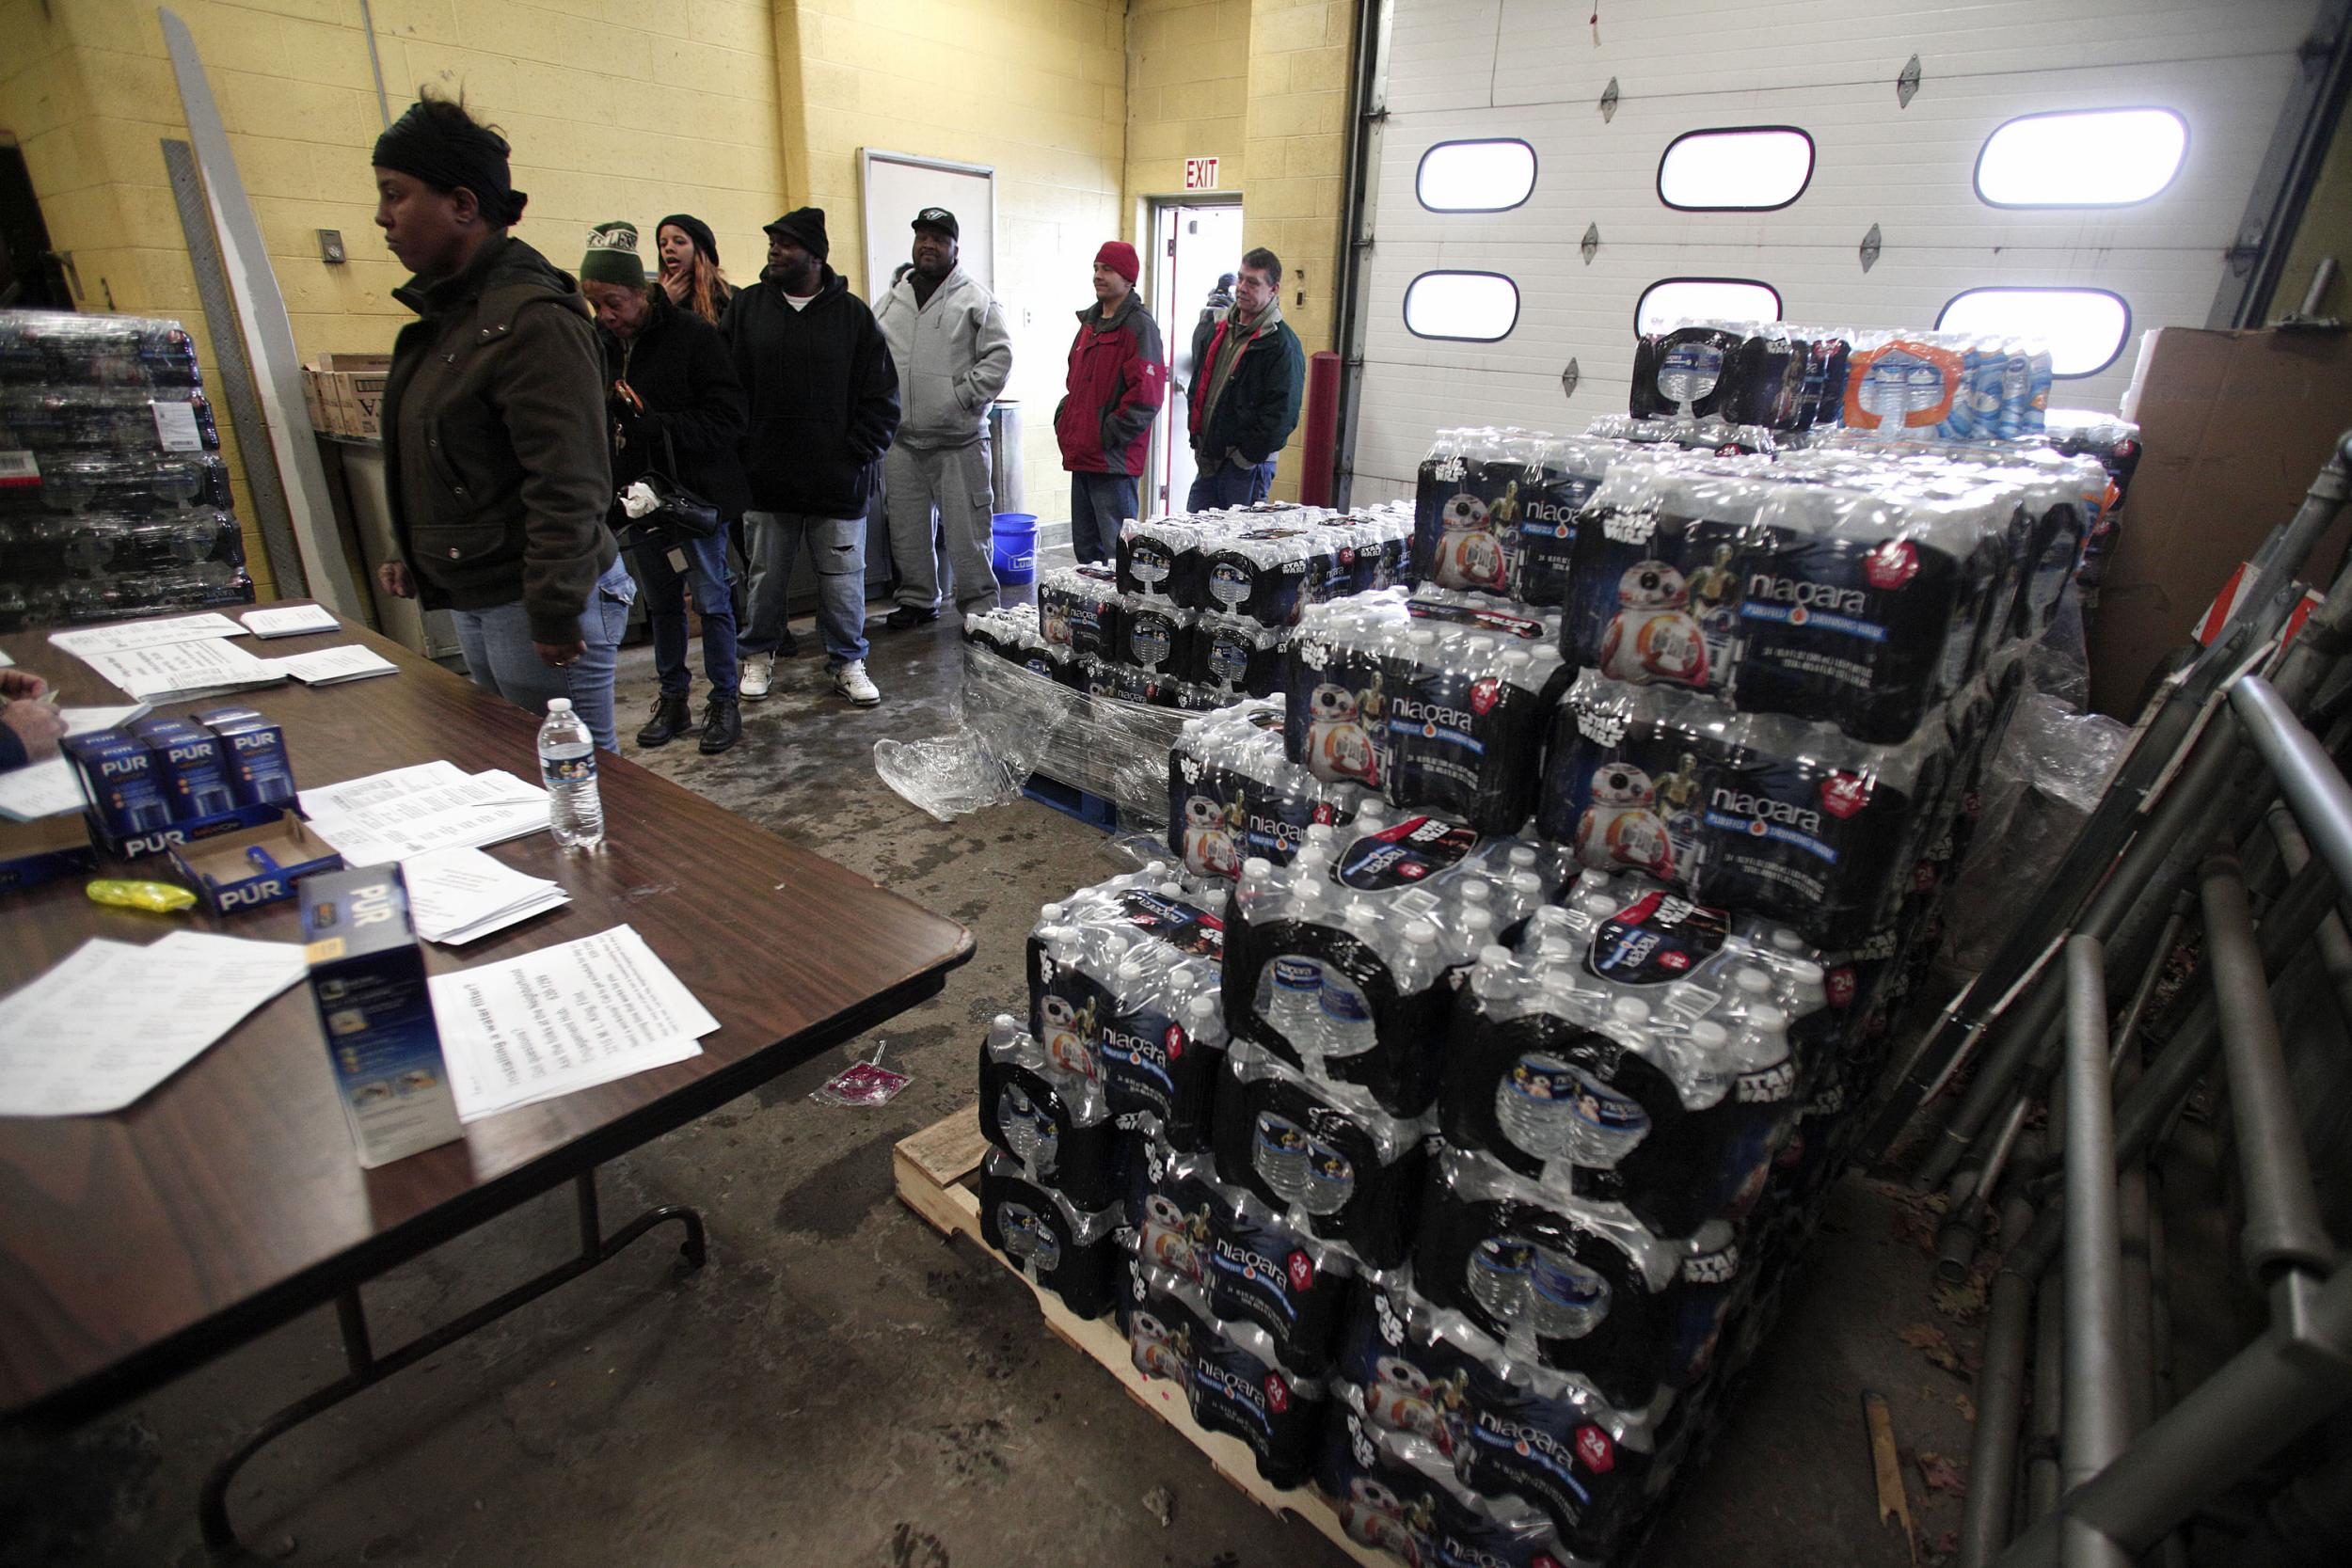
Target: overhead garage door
[{"x": 1536, "y": 71}]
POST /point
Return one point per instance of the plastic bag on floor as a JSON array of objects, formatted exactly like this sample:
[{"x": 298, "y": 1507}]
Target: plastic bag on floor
[
  {"x": 1013, "y": 722},
  {"x": 2052, "y": 767}
]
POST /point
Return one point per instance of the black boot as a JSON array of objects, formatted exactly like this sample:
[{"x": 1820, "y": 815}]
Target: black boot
[
  {"x": 723, "y": 725},
  {"x": 670, "y": 719}
]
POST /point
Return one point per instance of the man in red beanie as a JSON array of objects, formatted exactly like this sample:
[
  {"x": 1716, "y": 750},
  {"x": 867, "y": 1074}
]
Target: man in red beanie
[{"x": 1118, "y": 376}]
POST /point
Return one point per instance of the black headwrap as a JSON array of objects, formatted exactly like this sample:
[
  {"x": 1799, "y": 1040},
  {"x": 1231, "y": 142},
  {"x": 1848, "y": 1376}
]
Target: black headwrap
[
  {"x": 695, "y": 229},
  {"x": 430, "y": 143}
]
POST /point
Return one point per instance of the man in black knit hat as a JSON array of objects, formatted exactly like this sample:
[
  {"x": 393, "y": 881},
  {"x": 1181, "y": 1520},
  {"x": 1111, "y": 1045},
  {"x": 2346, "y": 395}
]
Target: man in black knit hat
[{"x": 824, "y": 406}]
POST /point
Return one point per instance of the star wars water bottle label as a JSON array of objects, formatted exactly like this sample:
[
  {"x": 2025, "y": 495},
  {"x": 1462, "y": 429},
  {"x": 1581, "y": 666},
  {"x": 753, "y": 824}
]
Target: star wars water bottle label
[
  {"x": 1406, "y": 854},
  {"x": 1026, "y": 1115},
  {"x": 1524, "y": 627},
  {"x": 1186, "y": 928},
  {"x": 1689, "y": 371},
  {"x": 1151, "y": 637},
  {"x": 1150, "y": 563},
  {"x": 1211, "y": 834},
  {"x": 1335, "y": 714},
  {"x": 1658, "y": 939},
  {"x": 1023, "y": 1221},
  {"x": 1312, "y": 1166}
]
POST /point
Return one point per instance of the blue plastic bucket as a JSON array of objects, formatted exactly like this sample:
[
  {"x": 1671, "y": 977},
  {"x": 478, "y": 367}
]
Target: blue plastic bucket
[{"x": 1015, "y": 555}]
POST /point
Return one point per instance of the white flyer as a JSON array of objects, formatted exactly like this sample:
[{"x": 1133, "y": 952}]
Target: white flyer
[
  {"x": 82, "y": 721},
  {"x": 112, "y": 1020},
  {"x": 86, "y": 640},
  {"x": 433, "y": 805},
  {"x": 44, "y": 789},
  {"x": 457, "y": 895},
  {"x": 173, "y": 671},
  {"x": 562, "y": 1019},
  {"x": 333, "y": 666},
  {"x": 290, "y": 621}
]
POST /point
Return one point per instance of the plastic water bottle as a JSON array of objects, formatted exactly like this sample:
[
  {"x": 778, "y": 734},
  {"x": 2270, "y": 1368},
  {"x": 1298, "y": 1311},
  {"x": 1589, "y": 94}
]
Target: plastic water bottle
[{"x": 567, "y": 762}]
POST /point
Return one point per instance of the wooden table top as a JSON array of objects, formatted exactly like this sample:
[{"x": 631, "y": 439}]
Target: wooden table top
[{"x": 231, "y": 1198}]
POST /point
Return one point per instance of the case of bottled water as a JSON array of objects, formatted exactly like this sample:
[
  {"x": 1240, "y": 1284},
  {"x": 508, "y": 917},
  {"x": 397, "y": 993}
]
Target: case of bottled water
[
  {"x": 1322, "y": 1156},
  {"x": 1013, "y": 633},
  {"x": 1052, "y": 1241},
  {"x": 1235, "y": 658},
  {"x": 1434, "y": 716},
  {"x": 1154, "y": 635},
  {"x": 1574, "y": 1286},
  {"x": 1425, "y": 1514},
  {"x": 1074, "y": 608},
  {"x": 1056, "y": 1122},
  {"x": 1496, "y": 510},
  {"x": 1124, "y": 992},
  {"x": 1783, "y": 820},
  {"x": 1251, "y": 1264},
  {"x": 114, "y": 501},
  {"x": 1423, "y": 1393},
  {"x": 1340, "y": 962},
  {"x": 1233, "y": 794},
  {"x": 1235, "y": 1380},
  {"x": 1638, "y": 1050}
]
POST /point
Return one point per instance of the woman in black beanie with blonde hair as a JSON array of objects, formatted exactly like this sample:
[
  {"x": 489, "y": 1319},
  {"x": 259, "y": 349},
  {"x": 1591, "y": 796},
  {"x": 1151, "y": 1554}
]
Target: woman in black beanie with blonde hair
[
  {"x": 689, "y": 266},
  {"x": 494, "y": 427}
]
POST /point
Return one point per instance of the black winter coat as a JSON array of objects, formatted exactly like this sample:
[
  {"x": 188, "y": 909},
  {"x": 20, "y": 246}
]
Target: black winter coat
[
  {"x": 823, "y": 396},
  {"x": 679, "y": 368}
]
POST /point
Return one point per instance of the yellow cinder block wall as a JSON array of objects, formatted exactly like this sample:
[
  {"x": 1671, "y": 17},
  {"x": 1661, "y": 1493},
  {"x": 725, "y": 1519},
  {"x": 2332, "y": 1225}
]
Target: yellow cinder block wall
[{"x": 730, "y": 109}]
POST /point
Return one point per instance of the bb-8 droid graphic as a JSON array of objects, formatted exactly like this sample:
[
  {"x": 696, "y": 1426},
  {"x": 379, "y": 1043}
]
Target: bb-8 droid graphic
[
  {"x": 1373, "y": 1514},
  {"x": 1210, "y": 847},
  {"x": 1339, "y": 743},
  {"x": 1621, "y": 825},
  {"x": 1068, "y": 1035},
  {"x": 1157, "y": 1352},
  {"x": 1402, "y": 1398},
  {"x": 1654, "y": 636},
  {"x": 1172, "y": 1238},
  {"x": 1469, "y": 553}
]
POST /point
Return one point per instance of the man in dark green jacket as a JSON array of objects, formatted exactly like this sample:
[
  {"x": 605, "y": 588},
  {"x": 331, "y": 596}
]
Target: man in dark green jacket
[
  {"x": 494, "y": 433},
  {"x": 1245, "y": 392}
]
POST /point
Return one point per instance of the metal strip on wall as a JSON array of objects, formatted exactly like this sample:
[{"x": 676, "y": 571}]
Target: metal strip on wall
[{"x": 234, "y": 375}]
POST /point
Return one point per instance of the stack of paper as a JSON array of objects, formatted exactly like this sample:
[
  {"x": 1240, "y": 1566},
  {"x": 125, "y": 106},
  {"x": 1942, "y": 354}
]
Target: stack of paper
[
  {"x": 126, "y": 636},
  {"x": 112, "y": 1021},
  {"x": 562, "y": 1019},
  {"x": 292, "y": 621},
  {"x": 332, "y": 666},
  {"x": 176, "y": 672},
  {"x": 411, "y": 810},
  {"x": 455, "y": 895}
]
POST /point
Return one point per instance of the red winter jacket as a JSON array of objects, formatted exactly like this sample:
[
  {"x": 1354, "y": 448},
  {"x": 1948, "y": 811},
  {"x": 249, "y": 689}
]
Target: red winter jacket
[{"x": 1118, "y": 377}]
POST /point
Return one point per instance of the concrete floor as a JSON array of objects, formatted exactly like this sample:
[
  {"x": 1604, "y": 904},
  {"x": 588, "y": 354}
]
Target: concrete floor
[{"x": 839, "y": 1384}]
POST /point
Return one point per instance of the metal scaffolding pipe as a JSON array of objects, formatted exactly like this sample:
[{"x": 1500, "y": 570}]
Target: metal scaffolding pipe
[
  {"x": 2049, "y": 1358},
  {"x": 2283, "y": 1229},
  {"x": 2228, "y": 1427},
  {"x": 1984, "y": 1520},
  {"x": 2095, "y": 1423},
  {"x": 1972, "y": 1192},
  {"x": 2308, "y": 777}
]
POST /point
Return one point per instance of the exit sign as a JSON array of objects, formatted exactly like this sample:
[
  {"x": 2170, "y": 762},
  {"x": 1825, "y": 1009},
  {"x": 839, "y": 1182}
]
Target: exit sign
[{"x": 1200, "y": 174}]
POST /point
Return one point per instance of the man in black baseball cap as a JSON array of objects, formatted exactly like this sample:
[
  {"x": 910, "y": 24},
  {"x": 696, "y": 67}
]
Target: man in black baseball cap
[{"x": 948, "y": 340}]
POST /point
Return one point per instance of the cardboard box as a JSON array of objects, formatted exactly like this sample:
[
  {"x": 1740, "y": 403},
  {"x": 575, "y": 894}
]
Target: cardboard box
[
  {"x": 2233, "y": 426},
  {"x": 43, "y": 850},
  {"x": 351, "y": 393},
  {"x": 120, "y": 780},
  {"x": 260, "y": 865},
  {"x": 367, "y": 975},
  {"x": 253, "y": 754},
  {"x": 190, "y": 767}
]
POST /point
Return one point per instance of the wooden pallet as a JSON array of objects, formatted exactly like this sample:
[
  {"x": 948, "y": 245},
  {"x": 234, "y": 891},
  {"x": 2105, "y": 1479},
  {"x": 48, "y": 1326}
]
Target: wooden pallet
[{"x": 937, "y": 1173}]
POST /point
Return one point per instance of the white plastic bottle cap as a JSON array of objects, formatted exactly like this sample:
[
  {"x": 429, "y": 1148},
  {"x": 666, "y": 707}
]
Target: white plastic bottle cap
[
  {"x": 1495, "y": 955},
  {"x": 1257, "y": 866},
  {"x": 1709, "y": 1035},
  {"x": 559, "y": 705},
  {"x": 1768, "y": 1018},
  {"x": 1421, "y": 933},
  {"x": 1629, "y": 1009},
  {"x": 1807, "y": 972},
  {"x": 1753, "y": 981},
  {"x": 1786, "y": 940}
]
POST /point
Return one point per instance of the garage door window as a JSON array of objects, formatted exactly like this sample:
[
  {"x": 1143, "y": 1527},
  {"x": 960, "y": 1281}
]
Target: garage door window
[
  {"x": 2085, "y": 328},
  {"x": 1739, "y": 169},
  {"x": 1471, "y": 307},
  {"x": 1475, "y": 176},
  {"x": 1673, "y": 299},
  {"x": 2082, "y": 158}
]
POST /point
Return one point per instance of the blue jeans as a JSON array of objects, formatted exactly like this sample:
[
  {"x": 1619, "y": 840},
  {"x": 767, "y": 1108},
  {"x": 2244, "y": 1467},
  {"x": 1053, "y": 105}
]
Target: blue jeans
[
  {"x": 665, "y": 609},
  {"x": 1098, "y": 505},
  {"x": 1223, "y": 483},
  {"x": 837, "y": 545},
  {"x": 501, "y": 657}
]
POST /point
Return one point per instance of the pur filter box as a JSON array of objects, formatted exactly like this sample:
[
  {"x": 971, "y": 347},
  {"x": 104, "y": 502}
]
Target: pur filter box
[
  {"x": 188, "y": 768},
  {"x": 367, "y": 973},
  {"x": 253, "y": 752},
  {"x": 122, "y": 782}
]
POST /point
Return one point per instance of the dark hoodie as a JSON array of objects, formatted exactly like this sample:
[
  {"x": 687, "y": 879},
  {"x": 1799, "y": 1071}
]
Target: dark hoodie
[
  {"x": 823, "y": 396},
  {"x": 494, "y": 439}
]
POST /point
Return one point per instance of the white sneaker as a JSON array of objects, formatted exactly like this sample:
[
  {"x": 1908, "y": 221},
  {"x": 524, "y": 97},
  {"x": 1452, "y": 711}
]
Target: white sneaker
[
  {"x": 759, "y": 672},
  {"x": 852, "y": 682}
]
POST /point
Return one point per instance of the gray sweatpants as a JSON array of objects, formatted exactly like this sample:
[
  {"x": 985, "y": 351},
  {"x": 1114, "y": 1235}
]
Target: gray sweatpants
[{"x": 955, "y": 482}]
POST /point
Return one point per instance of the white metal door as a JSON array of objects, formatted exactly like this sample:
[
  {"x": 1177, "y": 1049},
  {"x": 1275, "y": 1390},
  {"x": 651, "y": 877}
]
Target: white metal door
[
  {"x": 1536, "y": 71},
  {"x": 1192, "y": 247}
]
